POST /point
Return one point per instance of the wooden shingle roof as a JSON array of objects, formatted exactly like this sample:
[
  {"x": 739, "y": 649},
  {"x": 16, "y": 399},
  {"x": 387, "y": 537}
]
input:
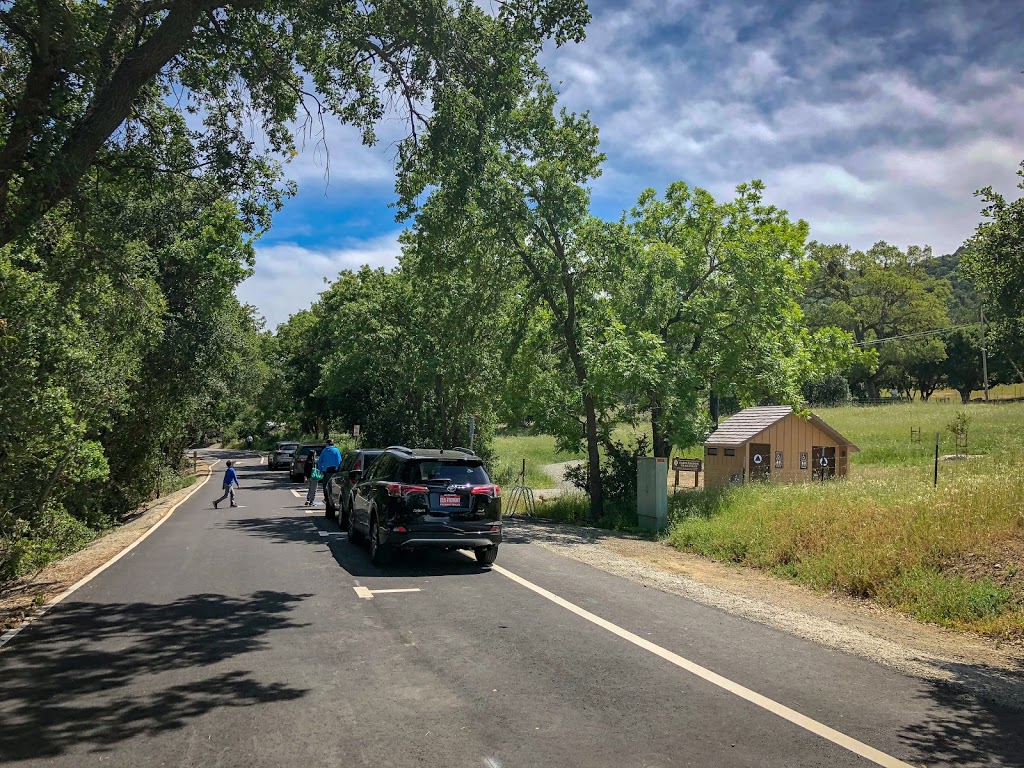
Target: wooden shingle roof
[{"x": 750, "y": 422}]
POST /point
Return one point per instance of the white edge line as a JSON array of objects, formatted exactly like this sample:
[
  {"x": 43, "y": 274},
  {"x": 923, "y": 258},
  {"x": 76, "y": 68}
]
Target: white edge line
[
  {"x": 10, "y": 634},
  {"x": 389, "y": 591},
  {"x": 803, "y": 721}
]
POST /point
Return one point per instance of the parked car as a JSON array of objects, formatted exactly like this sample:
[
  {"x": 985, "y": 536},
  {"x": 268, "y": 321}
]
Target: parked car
[
  {"x": 299, "y": 459},
  {"x": 355, "y": 463},
  {"x": 281, "y": 456},
  {"x": 427, "y": 498}
]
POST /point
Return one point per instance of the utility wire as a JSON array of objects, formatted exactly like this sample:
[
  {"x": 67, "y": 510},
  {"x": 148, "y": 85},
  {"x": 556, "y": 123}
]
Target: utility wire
[{"x": 917, "y": 335}]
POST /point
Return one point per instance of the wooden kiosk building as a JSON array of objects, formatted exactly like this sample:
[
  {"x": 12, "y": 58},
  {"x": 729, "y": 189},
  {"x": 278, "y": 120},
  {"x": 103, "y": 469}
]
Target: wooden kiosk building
[{"x": 771, "y": 443}]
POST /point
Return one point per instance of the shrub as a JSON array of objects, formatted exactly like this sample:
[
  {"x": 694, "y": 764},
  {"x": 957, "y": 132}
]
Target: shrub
[{"x": 830, "y": 391}]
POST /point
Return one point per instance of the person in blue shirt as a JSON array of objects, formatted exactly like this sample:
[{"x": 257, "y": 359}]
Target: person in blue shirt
[
  {"x": 230, "y": 483},
  {"x": 328, "y": 463}
]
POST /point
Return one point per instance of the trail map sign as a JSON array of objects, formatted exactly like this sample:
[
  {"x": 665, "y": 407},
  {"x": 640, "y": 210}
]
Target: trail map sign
[{"x": 687, "y": 465}]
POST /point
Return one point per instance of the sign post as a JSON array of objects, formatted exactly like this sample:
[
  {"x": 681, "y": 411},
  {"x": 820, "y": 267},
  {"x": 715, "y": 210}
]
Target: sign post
[
  {"x": 823, "y": 462},
  {"x": 935, "y": 481},
  {"x": 472, "y": 431}
]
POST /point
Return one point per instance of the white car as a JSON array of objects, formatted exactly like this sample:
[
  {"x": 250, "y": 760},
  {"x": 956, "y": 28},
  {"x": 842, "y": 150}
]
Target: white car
[{"x": 281, "y": 456}]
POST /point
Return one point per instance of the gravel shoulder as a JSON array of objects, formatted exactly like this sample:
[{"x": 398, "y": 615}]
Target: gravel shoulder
[
  {"x": 25, "y": 598},
  {"x": 984, "y": 667}
]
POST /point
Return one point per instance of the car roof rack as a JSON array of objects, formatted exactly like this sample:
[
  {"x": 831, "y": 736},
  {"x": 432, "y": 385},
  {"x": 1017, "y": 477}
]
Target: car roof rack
[
  {"x": 401, "y": 448},
  {"x": 468, "y": 451}
]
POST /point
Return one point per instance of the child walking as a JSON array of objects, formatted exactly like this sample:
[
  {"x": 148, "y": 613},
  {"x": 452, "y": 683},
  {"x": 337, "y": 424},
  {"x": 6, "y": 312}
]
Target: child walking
[
  {"x": 230, "y": 483},
  {"x": 309, "y": 470}
]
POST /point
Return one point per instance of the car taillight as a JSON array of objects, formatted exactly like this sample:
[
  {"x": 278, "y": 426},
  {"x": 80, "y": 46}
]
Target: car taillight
[
  {"x": 358, "y": 465},
  {"x": 487, "y": 490},
  {"x": 398, "y": 489}
]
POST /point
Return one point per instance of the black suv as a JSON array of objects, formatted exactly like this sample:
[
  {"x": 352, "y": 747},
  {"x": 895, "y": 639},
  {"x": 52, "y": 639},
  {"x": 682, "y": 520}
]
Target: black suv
[
  {"x": 427, "y": 498},
  {"x": 355, "y": 464}
]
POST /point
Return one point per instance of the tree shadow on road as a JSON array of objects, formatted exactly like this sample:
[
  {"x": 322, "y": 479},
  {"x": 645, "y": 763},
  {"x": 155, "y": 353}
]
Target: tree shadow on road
[
  {"x": 965, "y": 730},
  {"x": 84, "y": 676}
]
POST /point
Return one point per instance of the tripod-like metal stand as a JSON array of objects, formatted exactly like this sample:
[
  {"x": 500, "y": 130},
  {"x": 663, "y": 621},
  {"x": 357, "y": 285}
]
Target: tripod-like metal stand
[{"x": 522, "y": 495}]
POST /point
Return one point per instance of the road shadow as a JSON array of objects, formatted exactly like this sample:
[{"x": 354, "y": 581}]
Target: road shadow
[
  {"x": 283, "y": 530},
  {"x": 269, "y": 479},
  {"x": 966, "y": 730},
  {"x": 83, "y": 675},
  {"x": 356, "y": 559},
  {"x": 404, "y": 564}
]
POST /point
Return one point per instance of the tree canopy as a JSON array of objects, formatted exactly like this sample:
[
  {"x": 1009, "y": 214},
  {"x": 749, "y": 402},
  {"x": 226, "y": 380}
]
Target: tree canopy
[{"x": 89, "y": 84}]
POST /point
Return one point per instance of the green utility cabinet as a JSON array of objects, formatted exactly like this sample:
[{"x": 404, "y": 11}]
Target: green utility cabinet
[{"x": 652, "y": 493}]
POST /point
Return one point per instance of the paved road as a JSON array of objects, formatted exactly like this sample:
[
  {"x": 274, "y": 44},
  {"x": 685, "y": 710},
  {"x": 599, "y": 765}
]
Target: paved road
[{"x": 237, "y": 638}]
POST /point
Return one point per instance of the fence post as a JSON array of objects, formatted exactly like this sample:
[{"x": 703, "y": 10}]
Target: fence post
[{"x": 935, "y": 482}]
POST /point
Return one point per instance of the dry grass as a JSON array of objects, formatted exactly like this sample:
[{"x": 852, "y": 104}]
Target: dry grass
[{"x": 952, "y": 555}]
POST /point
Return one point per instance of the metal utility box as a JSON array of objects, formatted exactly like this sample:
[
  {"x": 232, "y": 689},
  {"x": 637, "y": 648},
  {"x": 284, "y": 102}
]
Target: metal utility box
[{"x": 652, "y": 493}]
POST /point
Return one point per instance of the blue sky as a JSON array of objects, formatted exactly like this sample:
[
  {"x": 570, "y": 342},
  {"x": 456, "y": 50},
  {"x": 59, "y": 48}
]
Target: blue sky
[{"x": 871, "y": 120}]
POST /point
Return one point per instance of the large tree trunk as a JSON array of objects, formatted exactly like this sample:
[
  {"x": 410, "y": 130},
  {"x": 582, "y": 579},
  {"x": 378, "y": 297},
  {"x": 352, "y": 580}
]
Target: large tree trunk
[
  {"x": 871, "y": 387},
  {"x": 659, "y": 439},
  {"x": 594, "y": 485}
]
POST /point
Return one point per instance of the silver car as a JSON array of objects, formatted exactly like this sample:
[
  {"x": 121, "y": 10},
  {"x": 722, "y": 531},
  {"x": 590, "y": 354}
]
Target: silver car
[{"x": 281, "y": 456}]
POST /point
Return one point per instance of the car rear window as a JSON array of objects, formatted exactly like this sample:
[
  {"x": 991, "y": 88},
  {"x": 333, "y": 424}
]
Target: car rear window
[
  {"x": 307, "y": 448},
  {"x": 287, "y": 446},
  {"x": 454, "y": 472}
]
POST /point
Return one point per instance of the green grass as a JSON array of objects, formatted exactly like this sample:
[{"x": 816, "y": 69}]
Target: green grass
[
  {"x": 574, "y": 508},
  {"x": 510, "y": 449},
  {"x": 943, "y": 555}
]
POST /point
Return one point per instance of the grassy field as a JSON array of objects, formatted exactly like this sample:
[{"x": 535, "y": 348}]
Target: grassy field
[
  {"x": 952, "y": 555},
  {"x": 510, "y": 449}
]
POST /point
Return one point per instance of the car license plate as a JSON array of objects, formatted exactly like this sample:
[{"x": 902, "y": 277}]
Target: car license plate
[{"x": 450, "y": 500}]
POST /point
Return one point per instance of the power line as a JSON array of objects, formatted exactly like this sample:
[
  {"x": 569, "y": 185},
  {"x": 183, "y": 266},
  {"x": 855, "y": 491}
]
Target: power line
[{"x": 918, "y": 335}]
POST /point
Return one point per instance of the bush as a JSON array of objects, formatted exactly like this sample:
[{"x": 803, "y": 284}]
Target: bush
[
  {"x": 51, "y": 536},
  {"x": 618, "y": 470},
  {"x": 830, "y": 391}
]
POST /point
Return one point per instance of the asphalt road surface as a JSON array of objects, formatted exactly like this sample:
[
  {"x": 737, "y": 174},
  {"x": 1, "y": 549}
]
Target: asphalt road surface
[{"x": 258, "y": 636}]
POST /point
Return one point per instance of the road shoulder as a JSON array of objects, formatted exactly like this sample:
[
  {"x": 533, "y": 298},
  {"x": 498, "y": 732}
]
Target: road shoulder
[{"x": 984, "y": 667}]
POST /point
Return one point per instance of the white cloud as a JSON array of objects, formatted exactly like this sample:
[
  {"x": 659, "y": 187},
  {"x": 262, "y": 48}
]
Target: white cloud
[
  {"x": 289, "y": 277},
  {"x": 868, "y": 131}
]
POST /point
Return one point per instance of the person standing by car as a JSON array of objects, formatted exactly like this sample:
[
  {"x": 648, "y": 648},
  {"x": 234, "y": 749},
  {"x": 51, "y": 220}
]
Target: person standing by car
[
  {"x": 230, "y": 483},
  {"x": 330, "y": 460},
  {"x": 308, "y": 473}
]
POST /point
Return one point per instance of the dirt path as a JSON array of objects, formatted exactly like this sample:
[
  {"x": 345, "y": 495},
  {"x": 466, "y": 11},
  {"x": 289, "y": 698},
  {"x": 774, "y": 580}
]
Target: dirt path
[
  {"x": 559, "y": 484},
  {"x": 985, "y": 667}
]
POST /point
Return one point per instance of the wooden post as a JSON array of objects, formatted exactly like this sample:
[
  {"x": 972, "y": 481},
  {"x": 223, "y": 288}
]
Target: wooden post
[{"x": 935, "y": 482}]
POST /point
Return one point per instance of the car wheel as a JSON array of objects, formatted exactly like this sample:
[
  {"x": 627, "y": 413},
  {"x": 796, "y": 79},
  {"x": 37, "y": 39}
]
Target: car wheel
[
  {"x": 353, "y": 533},
  {"x": 486, "y": 555},
  {"x": 379, "y": 553}
]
